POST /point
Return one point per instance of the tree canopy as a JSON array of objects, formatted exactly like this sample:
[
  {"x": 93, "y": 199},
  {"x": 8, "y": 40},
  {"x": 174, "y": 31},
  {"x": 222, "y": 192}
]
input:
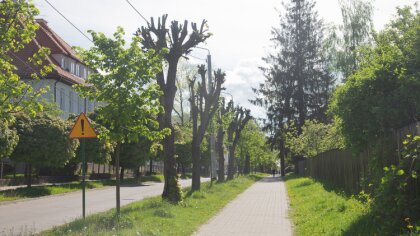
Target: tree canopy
[
  {"x": 18, "y": 29},
  {"x": 383, "y": 93}
]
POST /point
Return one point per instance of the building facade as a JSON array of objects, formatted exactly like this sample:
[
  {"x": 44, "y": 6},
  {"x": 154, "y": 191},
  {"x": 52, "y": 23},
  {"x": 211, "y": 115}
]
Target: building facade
[{"x": 68, "y": 71}]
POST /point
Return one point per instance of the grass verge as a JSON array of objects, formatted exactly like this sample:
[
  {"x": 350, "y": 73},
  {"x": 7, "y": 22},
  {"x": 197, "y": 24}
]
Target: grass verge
[
  {"x": 39, "y": 191},
  {"x": 153, "y": 216},
  {"x": 316, "y": 211}
]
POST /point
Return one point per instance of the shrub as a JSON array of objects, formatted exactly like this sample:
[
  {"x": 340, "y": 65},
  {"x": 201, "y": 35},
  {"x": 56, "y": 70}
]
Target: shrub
[{"x": 397, "y": 201}]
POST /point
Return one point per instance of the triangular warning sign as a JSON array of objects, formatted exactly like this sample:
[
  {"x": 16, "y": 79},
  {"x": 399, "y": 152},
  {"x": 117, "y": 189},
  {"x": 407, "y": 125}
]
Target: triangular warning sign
[{"x": 82, "y": 128}]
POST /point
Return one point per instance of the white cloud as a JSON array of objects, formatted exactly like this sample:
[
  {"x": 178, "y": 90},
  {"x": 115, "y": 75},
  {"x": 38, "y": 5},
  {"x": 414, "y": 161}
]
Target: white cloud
[{"x": 240, "y": 81}]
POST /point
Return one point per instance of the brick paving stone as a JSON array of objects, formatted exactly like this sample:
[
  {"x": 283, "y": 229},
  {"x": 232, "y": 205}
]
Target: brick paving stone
[{"x": 262, "y": 210}]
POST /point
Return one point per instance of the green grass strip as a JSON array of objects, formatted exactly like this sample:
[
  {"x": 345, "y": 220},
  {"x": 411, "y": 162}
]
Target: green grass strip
[
  {"x": 316, "y": 211},
  {"x": 153, "y": 216},
  {"x": 40, "y": 191}
]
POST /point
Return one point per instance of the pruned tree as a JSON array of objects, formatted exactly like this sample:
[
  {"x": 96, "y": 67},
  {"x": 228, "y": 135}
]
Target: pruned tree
[
  {"x": 180, "y": 43},
  {"x": 204, "y": 100},
  {"x": 240, "y": 119},
  {"x": 224, "y": 110}
]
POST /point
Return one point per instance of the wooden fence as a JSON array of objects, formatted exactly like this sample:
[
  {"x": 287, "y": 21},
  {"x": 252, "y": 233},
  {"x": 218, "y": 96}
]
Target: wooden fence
[{"x": 343, "y": 169}]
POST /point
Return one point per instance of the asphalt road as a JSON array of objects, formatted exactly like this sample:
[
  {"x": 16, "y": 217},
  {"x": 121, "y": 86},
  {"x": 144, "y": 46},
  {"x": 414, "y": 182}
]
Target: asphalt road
[{"x": 30, "y": 216}]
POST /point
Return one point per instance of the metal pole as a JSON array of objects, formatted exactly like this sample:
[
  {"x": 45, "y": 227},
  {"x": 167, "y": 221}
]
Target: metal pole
[
  {"x": 212, "y": 136},
  {"x": 83, "y": 177},
  {"x": 209, "y": 72}
]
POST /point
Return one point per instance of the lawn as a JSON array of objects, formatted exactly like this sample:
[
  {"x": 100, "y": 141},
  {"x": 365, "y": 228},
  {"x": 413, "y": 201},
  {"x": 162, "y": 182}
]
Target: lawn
[
  {"x": 153, "y": 216},
  {"x": 316, "y": 211},
  {"x": 39, "y": 191}
]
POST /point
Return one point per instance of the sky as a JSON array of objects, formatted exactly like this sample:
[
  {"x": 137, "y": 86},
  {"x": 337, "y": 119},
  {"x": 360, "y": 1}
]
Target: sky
[{"x": 241, "y": 29}]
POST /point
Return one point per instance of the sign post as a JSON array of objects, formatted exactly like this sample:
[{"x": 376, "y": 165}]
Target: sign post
[{"x": 83, "y": 130}]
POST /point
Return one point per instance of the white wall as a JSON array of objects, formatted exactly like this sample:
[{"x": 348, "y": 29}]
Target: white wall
[{"x": 67, "y": 99}]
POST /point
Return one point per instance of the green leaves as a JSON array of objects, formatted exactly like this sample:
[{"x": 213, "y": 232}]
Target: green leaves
[
  {"x": 43, "y": 141},
  {"x": 17, "y": 30},
  {"x": 315, "y": 138},
  {"x": 123, "y": 81},
  {"x": 382, "y": 94}
]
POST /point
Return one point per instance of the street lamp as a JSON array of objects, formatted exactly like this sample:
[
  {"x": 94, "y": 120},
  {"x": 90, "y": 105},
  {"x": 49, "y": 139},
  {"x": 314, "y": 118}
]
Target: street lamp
[{"x": 213, "y": 162}]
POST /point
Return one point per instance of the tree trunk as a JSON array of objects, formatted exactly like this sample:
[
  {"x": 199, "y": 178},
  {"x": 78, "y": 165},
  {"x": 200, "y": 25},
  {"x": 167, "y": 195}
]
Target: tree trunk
[
  {"x": 171, "y": 190},
  {"x": 221, "y": 153},
  {"x": 122, "y": 173},
  {"x": 150, "y": 167},
  {"x": 183, "y": 174},
  {"x": 117, "y": 176},
  {"x": 196, "y": 166},
  {"x": 137, "y": 172},
  {"x": 247, "y": 164},
  {"x": 231, "y": 163},
  {"x": 29, "y": 183},
  {"x": 282, "y": 157}
]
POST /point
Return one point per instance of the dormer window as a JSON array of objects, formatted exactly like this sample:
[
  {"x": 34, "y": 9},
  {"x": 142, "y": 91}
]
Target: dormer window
[{"x": 63, "y": 62}]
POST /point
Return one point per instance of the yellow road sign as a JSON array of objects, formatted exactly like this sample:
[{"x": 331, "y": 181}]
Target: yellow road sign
[{"x": 82, "y": 128}]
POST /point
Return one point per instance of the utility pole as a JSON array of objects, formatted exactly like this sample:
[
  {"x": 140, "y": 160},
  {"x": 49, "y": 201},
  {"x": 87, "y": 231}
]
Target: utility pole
[{"x": 213, "y": 161}]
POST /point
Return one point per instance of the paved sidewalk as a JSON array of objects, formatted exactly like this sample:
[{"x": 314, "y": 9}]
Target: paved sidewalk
[{"x": 261, "y": 210}]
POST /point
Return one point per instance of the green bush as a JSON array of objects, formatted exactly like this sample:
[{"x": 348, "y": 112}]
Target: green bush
[
  {"x": 397, "y": 201},
  {"x": 43, "y": 141},
  {"x": 8, "y": 139}
]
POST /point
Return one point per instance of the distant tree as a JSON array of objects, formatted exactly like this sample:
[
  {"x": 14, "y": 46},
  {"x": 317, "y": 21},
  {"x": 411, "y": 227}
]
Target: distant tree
[
  {"x": 315, "y": 138},
  {"x": 134, "y": 154},
  {"x": 123, "y": 81},
  {"x": 223, "y": 119},
  {"x": 204, "y": 100},
  {"x": 17, "y": 30},
  {"x": 43, "y": 142},
  {"x": 356, "y": 30},
  {"x": 240, "y": 119},
  {"x": 185, "y": 72},
  {"x": 183, "y": 139},
  {"x": 159, "y": 37},
  {"x": 298, "y": 79}
]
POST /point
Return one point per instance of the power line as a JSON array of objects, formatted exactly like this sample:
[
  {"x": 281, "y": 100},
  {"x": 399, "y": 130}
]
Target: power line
[
  {"x": 68, "y": 21},
  {"x": 135, "y": 9}
]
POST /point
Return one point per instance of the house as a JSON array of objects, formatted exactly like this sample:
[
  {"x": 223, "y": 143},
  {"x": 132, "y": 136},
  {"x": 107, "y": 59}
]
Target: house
[{"x": 68, "y": 70}]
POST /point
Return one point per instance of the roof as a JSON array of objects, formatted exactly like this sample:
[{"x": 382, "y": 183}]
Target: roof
[{"x": 46, "y": 37}]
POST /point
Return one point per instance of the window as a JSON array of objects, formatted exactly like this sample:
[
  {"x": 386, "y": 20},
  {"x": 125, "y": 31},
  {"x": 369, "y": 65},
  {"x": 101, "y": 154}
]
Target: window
[
  {"x": 63, "y": 62},
  {"x": 77, "y": 70},
  {"x": 71, "y": 102},
  {"x": 72, "y": 67},
  {"x": 82, "y": 70},
  {"x": 80, "y": 105},
  {"x": 62, "y": 100}
]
